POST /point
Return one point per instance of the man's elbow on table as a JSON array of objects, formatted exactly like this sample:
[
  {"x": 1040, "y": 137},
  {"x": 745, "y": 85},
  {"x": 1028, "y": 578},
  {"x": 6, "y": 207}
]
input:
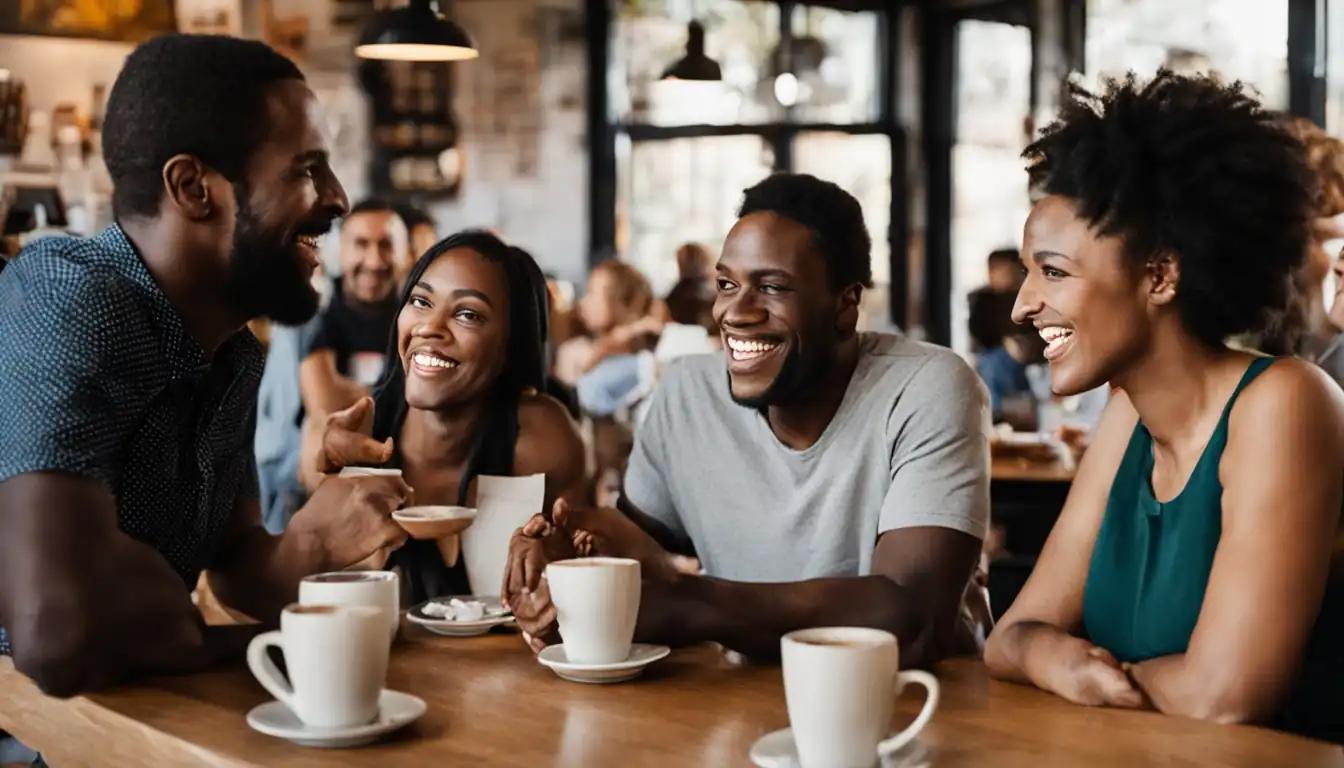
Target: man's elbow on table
[{"x": 65, "y": 662}]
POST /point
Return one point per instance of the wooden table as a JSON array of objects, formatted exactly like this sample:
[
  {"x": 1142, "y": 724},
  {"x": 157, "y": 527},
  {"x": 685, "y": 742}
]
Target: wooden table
[
  {"x": 491, "y": 704},
  {"x": 1022, "y": 470}
]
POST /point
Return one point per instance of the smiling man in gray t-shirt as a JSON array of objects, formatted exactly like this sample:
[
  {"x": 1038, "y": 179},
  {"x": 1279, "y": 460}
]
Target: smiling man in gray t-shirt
[{"x": 826, "y": 478}]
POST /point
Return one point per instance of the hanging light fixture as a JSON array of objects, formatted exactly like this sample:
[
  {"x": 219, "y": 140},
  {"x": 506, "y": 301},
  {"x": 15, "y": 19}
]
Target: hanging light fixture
[
  {"x": 695, "y": 65},
  {"x": 415, "y": 32}
]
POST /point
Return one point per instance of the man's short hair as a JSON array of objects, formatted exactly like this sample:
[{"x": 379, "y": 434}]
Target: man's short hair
[
  {"x": 373, "y": 205},
  {"x": 200, "y": 95},
  {"x": 834, "y": 216}
]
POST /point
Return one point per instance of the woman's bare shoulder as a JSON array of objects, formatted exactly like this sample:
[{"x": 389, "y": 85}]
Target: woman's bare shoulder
[{"x": 548, "y": 438}]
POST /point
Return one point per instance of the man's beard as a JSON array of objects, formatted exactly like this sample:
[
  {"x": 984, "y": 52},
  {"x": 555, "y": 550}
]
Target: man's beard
[
  {"x": 267, "y": 276},
  {"x": 810, "y": 356}
]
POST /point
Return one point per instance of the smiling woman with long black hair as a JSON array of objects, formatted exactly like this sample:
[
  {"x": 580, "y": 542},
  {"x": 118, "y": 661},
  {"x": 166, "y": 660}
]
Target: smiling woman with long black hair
[
  {"x": 1190, "y": 568},
  {"x": 462, "y": 393}
]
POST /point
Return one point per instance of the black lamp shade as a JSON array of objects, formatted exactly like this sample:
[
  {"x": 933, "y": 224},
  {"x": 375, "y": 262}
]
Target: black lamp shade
[{"x": 415, "y": 32}]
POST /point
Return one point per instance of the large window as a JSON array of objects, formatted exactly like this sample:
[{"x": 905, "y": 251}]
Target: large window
[
  {"x": 1243, "y": 40},
  {"x": 683, "y": 190},
  {"x": 989, "y": 179},
  {"x": 802, "y": 90}
]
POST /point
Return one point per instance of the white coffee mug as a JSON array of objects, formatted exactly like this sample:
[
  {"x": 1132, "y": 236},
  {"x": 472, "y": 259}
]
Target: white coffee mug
[
  {"x": 377, "y": 589},
  {"x": 596, "y": 605},
  {"x": 336, "y": 657},
  {"x": 841, "y": 685}
]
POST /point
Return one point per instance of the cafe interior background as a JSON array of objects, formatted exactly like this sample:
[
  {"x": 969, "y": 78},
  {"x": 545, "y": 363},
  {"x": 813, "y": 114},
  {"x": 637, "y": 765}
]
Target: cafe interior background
[
  {"x": 564, "y": 136},
  {"x": 596, "y": 129}
]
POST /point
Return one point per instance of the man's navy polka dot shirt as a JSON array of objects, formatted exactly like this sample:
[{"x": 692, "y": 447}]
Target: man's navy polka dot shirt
[{"x": 99, "y": 378}]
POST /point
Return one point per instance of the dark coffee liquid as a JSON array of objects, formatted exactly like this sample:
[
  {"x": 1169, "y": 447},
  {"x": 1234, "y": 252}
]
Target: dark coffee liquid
[
  {"x": 343, "y": 577},
  {"x": 840, "y": 643},
  {"x": 311, "y": 609}
]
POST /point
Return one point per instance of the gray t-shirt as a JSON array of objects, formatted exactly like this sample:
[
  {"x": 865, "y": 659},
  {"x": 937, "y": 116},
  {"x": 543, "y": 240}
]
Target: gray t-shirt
[{"x": 908, "y": 447}]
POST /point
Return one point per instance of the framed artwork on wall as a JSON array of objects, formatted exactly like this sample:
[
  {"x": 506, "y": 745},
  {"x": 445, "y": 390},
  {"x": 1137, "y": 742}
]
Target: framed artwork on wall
[{"x": 128, "y": 21}]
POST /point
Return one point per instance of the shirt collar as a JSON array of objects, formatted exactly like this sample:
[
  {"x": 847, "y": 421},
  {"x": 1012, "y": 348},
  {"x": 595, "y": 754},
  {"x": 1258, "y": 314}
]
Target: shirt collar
[{"x": 185, "y": 356}]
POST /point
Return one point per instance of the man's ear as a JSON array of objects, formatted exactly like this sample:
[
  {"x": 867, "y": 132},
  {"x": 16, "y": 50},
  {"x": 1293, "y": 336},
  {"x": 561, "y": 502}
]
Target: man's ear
[
  {"x": 187, "y": 188},
  {"x": 847, "y": 309}
]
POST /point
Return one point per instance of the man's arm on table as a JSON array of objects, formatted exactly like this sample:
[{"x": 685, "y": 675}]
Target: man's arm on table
[
  {"x": 915, "y": 592},
  {"x": 84, "y": 604}
]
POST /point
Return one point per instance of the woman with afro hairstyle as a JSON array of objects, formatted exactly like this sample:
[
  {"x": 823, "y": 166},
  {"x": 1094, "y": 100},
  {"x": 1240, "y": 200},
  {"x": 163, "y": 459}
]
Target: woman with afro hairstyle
[{"x": 1190, "y": 570}]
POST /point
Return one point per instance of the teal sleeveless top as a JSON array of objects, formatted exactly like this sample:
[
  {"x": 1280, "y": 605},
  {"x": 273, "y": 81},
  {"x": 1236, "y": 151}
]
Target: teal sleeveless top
[{"x": 1150, "y": 567}]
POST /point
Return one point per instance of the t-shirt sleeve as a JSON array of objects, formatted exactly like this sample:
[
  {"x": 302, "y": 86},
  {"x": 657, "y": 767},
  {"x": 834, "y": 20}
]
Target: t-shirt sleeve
[
  {"x": 646, "y": 484},
  {"x": 69, "y": 396},
  {"x": 939, "y": 435},
  {"x": 315, "y": 335}
]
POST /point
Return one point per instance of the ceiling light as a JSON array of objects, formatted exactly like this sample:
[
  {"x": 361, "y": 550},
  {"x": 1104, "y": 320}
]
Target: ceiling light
[{"x": 415, "y": 32}]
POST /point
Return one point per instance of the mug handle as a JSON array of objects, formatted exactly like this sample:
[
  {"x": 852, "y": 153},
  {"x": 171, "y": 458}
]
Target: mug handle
[
  {"x": 265, "y": 670},
  {"x": 895, "y": 743}
]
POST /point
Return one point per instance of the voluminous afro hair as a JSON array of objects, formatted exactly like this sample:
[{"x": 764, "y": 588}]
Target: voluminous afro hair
[
  {"x": 833, "y": 215},
  {"x": 1192, "y": 167},
  {"x": 199, "y": 95}
]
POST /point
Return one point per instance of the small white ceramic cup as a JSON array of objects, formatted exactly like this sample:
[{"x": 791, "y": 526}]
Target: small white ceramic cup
[
  {"x": 840, "y": 686},
  {"x": 596, "y": 605},
  {"x": 377, "y": 589},
  {"x": 336, "y": 657}
]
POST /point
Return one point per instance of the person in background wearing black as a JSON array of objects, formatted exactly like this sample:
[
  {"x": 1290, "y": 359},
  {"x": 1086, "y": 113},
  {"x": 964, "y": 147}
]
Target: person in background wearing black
[
  {"x": 345, "y": 354},
  {"x": 991, "y": 306}
]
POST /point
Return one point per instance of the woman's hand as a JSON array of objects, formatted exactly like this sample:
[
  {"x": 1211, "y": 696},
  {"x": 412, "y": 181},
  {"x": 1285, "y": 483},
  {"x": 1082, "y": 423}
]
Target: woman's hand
[{"x": 1089, "y": 675}]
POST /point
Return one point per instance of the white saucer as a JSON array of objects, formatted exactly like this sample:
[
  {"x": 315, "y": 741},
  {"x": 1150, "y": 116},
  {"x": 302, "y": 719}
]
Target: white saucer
[
  {"x": 495, "y": 616},
  {"x": 777, "y": 750},
  {"x": 395, "y": 710},
  {"x": 641, "y": 656}
]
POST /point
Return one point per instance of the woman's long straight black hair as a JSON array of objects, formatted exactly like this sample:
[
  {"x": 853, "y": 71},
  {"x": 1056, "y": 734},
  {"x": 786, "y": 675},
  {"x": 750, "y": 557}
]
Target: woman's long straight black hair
[{"x": 525, "y": 356}]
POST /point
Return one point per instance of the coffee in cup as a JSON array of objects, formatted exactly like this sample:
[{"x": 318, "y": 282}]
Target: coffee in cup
[
  {"x": 377, "y": 589},
  {"x": 840, "y": 686},
  {"x": 336, "y": 658},
  {"x": 596, "y": 605}
]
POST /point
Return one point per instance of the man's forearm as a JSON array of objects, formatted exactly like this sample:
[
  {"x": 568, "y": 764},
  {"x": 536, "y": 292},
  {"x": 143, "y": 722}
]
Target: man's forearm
[
  {"x": 655, "y": 529},
  {"x": 750, "y": 618},
  {"x": 261, "y": 575}
]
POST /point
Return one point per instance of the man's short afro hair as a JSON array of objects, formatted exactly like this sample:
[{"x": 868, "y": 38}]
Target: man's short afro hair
[
  {"x": 200, "y": 95},
  {"x": 1194, "y": 167},
  {"x": 833, "y": 215}
]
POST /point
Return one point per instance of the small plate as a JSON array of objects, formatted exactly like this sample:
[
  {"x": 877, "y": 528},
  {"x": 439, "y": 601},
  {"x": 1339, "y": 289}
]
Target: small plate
[
  {"x": 777, "y": 750},
  {"x": 434, "y": 522},
  {"x": 641, "y": 656},
  {"x": 395, "y": 710},
  {"x": 495, "y": 616}
]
